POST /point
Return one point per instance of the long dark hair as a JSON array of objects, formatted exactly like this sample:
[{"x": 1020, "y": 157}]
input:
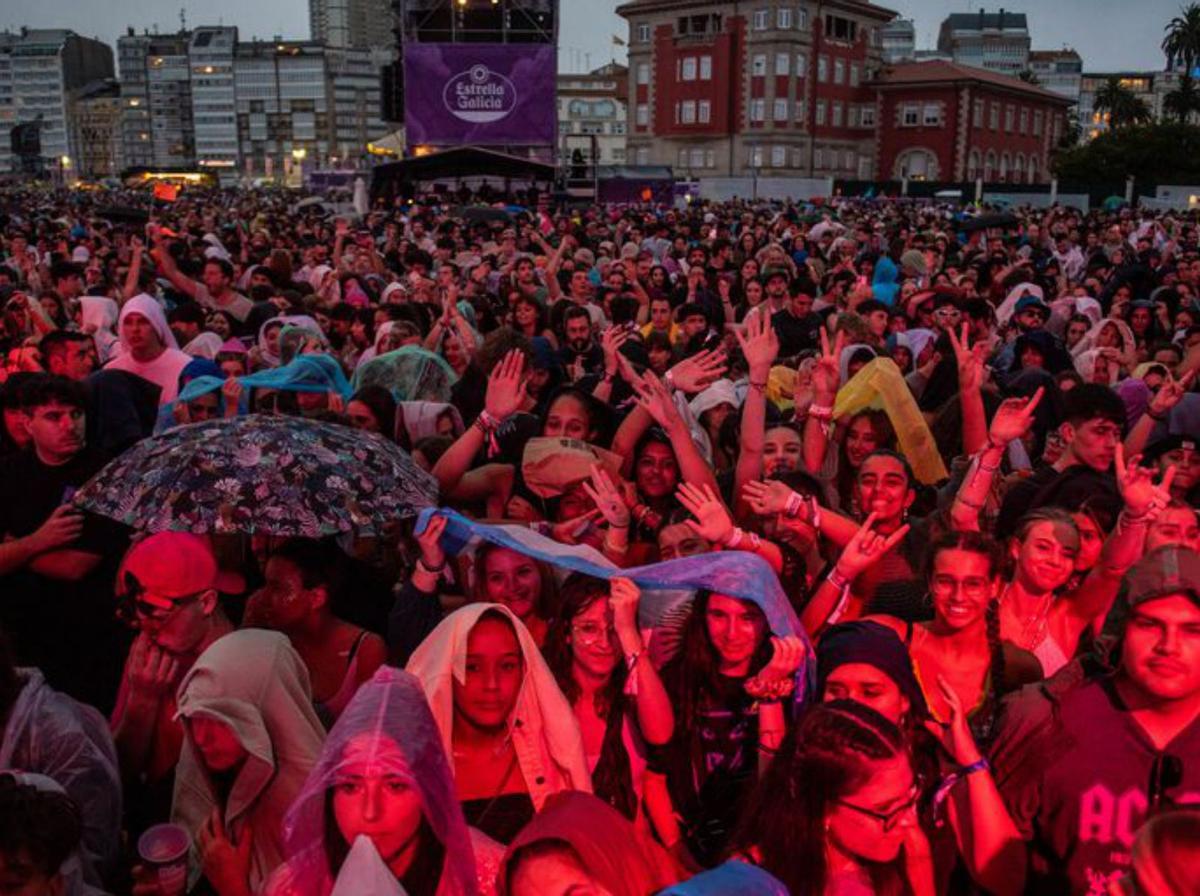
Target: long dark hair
[
  {"x": 547, "y": 602},
  {"x": 612, "y": 779},
  {"x": 691, "y": 677},
  {"x": 820, "y": 761},
  {"x": 885, "y": 438},
  {"x": 383, "y": 408}
]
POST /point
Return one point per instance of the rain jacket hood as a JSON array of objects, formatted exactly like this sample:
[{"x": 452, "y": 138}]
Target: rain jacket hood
[{"x": 256, "y": 683}]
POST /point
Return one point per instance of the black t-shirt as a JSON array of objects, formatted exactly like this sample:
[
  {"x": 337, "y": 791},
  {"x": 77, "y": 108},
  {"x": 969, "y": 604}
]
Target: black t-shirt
[
  {"x": 796, "y": 334},
  {"x": 710, "y": 771},
  {"x": 1074, "y": 772},
  {"x": 68, "y": 629}
]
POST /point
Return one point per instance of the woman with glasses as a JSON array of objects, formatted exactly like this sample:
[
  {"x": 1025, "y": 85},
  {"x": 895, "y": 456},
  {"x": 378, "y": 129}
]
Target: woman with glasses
[
  {"x": 597, "y": 656},
  {"x": 836, "y": 811}
]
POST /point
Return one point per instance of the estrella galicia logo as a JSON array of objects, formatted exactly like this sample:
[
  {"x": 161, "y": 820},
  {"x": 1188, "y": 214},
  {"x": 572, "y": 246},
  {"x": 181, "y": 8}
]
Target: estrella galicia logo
[{"x": 479, "y": 95}]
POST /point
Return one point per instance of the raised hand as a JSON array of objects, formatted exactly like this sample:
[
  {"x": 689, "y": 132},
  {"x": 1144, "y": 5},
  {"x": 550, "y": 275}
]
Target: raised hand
[
  {"x": 623, "y": 598},
  {"x": 506, "y": 386},
  {"x": 1014, "y": 418},
  {"x": 655, "y": 400},
  {"x": 955, "y": 735},
  {"x": 607, "y": 497},
  {"x": 712, "y": 522},
  {"x": 866, "y": 547},
  {"x": 766, "y": 498},
  {"x": 826, "y": 372},
  {"x": 1136, "y": 483},
  {"x": 1170, "y": 393},
  {"x": 430, "y": 542},
  {"x": 970, "y": 359},
  {"x": 697, "y": 373},
  {"x": 611, "y": 341},
  {"x": 760, "y": 346},
  {"x": 786, "y": 656}
]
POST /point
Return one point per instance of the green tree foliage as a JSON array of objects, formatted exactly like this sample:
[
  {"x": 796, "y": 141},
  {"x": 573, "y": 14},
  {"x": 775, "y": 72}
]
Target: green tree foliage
[{"x": 1168, "y": 152}]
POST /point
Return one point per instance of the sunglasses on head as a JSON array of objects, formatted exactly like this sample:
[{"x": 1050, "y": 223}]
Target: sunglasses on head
[{"x": 137, "y": 603}]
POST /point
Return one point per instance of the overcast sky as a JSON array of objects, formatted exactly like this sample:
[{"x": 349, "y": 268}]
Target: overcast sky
[{"x": 1109, "y": 34}]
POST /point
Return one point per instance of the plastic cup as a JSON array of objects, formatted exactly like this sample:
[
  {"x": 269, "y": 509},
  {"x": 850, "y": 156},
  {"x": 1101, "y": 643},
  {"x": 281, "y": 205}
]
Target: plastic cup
[{"x": 164, "y": 851}]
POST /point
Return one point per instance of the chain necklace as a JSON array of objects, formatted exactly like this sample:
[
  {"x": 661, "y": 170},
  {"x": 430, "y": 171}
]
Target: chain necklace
[{"x": 1034, "y": 626}]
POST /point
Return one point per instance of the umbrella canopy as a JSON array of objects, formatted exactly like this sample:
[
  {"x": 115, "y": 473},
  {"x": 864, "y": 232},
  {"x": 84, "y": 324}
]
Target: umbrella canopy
[
  {"x": 987, "y": 222},
  {"x": 276, "y": 475},
  {"x": 481, "y": 214},
  {"x": 1112, "y": 203}
]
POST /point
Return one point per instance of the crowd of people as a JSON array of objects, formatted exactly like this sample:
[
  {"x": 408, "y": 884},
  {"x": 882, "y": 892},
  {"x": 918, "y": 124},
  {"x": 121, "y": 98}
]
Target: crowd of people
[{"x": 929, "y": 489}]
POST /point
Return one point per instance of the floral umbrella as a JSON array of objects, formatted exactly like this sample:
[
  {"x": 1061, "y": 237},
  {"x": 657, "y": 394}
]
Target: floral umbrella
[{"x": 269, "y": 474}]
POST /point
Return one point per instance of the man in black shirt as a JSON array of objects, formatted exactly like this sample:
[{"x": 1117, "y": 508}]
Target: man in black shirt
[
  {"x": 57, "y": 564},
  {"x": 797, "y": 327}
]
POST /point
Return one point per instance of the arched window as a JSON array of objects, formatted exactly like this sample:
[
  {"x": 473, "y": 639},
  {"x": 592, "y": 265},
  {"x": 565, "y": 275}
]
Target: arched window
[
  {"x": 917, "y": 164},
  {"x": 1005, "y": 166},
  {"x": 989, "y": 165},
  {"x": 1033, "y": 169},
  {"x": 973, "y": 171},
  {"x": 1019, "y": 169}
]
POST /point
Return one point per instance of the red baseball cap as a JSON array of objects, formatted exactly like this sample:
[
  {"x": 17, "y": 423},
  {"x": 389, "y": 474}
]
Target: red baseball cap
[{"x": 176, "y": 564}]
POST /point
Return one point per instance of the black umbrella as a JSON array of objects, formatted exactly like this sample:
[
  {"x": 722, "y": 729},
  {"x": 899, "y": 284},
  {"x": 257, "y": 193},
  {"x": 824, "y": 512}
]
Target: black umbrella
[
  {"x": 481, "y": 214},
  {"x": 987, "y": 222},
  {"x": 124, "y": 214}
]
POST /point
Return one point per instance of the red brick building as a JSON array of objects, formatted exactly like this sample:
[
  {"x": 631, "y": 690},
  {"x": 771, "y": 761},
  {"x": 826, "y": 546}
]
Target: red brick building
[
  {"x": 942, "y": 121},
  {"x": 780, "y": 88}
]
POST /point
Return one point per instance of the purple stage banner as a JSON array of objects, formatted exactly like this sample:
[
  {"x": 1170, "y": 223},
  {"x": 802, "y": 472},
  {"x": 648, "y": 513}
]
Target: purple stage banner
[{"x": 479, "y": 93}]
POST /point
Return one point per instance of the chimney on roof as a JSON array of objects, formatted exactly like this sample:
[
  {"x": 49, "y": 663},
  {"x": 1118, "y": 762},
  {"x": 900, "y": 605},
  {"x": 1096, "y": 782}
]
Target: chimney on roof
[{"x": 1000, "y": 20}]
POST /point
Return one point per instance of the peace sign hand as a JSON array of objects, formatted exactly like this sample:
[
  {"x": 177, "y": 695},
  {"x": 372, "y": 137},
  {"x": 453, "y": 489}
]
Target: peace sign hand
[
  {"x": 969, "y": 358},
  {"x": 826, "y": 374},
  {"x": 1014, "y": 418},
  {"x": 865, "y": 548},
  {"x": 1170, "y": 393}
]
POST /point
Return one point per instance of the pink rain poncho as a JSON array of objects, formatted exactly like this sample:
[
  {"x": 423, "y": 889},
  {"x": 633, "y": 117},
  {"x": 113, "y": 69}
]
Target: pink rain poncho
[
  {"x": 387, "y": 727},
  {"x": 256, "y": 683}
]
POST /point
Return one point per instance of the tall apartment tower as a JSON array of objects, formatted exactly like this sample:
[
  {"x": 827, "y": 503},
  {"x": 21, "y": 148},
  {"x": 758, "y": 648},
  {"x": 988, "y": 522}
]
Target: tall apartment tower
[
  {"x": 362, "y": 24},
  {"x": 41, "y": 70}
]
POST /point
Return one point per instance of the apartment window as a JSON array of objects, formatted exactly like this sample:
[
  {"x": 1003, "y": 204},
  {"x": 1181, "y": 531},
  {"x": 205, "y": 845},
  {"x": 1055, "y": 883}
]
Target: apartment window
[
  {"x": 820, "y": 112},
  {"x": 643, "y": 72},
  {"x": 802, "y": 18},
  {"x": 641, "y": 155},
  {"x": 839, "y": 71},
  {"x": 688, "y": 69},
  {"x": 797, "y": 158},
  {"x": 705, "y": 68},
  {"x": 853, "y": 74},
  {"x": 932, "y": 115},
  {"x": 977, "y": 114},
  {"x": 704, "y": 111},
  {"x": 756, "y": 157},
  {"x": 683, "y": 158},
  {"x": 848, "y": 160},
  {"x": 822, "y": 69},
  {"x": 710, "y": 159},
  {"x": 866, "y": 117},
  {"x": 778, "y": 154},
  {"x": 782, "y": 61},
  {"x": 1024, "y": 126},
  {"x": 852, "y": 117},
  {"x": 801, "y": 109},
  {"x": 801, "y": 65},
  {"x": 1009, "y": 115},
  {"x": 687, "y": 112},
  {"x": 994, "y": 117},
  {"x": 910, "y": 116},
  {"x": 643, "y": 33},
  {"x": 758, "y": 65},
  {"x": 837, "y": 115},
  {"x": 642, "y": 115},
  {"x": 758, "y": 109},
  {"x": 818, "y": 158},
  {"x": 697, "y": 158},
  {"x": 783, "y": 17},
  {"x": 1037, "y": 123},
  {"x": 780, "y": 110},
  {"x": 762, "y": 19}
]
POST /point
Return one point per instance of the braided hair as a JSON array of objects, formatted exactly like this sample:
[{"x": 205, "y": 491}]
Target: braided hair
[{"x": 823, "y": 759}]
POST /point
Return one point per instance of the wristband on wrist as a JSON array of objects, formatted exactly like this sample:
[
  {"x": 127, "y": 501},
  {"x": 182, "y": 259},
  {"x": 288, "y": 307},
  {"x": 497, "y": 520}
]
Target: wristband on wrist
[
  {"x": 822, "y": 412},
  {"x": 669, "y": 379},
  {"x": 795, "y": 503},
  {"x": 837, "y": 580},
  {"x": 431, "y": 570},
  {"x": 1157, "y": 418},
  {"x": 734, "y": 538}
]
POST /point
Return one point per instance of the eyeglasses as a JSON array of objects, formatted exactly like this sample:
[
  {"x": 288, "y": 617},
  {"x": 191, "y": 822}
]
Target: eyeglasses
[
  {"x": 589, "y": 633},
  {"x": 888, "y": 820},
  {"x": 971, "y": 587},
  {"x": 139, "y": 605}
]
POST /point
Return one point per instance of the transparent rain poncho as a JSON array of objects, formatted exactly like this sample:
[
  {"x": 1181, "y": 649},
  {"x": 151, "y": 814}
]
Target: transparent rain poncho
[
  {"x": 410, "y": 373},
  {"x": 388, "y": 726}
]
